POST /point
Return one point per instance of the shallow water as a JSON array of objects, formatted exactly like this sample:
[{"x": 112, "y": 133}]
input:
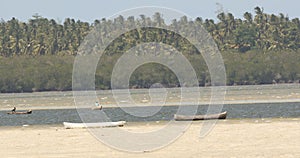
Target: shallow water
[
  {"x": 236, "y": 111},
  {"x": 234, "y": 94},
  {"x": 259, "y": 101}
]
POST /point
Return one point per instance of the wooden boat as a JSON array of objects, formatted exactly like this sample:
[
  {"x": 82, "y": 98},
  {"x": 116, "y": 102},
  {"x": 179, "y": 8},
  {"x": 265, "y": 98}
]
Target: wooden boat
[
  {"x": 69, "y": 125},
  {"x": 23, "y": 112},
  {"x": 200, "y": 117}
]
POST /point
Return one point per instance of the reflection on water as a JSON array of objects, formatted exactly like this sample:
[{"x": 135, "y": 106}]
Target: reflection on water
[{"x": 57, "y": 116}]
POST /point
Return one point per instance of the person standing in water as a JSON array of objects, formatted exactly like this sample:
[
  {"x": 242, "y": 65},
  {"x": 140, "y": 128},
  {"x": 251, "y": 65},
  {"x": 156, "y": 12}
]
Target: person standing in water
[
  {"x": 14, "y": 110},
  {"x": 98, "y": 105}
]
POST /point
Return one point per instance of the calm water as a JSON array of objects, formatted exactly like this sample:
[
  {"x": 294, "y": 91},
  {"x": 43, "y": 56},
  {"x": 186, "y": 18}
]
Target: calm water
[
  {"x": 236, "y": 111},
  {"x": 287, "y": 94}
]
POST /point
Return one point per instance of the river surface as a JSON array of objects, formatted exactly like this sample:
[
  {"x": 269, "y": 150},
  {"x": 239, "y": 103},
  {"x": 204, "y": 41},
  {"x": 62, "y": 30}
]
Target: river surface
[
  {"x": 271, "y": 101},
  {"x": 235, "y": 111}
]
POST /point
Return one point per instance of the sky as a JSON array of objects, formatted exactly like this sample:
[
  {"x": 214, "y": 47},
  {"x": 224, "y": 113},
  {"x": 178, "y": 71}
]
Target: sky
[{"x": 89, "y": 10}]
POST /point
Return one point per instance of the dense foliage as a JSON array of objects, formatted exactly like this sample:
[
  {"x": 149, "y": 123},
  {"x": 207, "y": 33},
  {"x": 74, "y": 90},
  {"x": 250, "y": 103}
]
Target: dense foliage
[
  {"x": 40, "y": 36},
  {"x": 40, "y": 73},
  {"x": 259, "y": 49}
]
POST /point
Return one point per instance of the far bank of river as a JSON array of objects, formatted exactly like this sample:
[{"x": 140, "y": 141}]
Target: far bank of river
[{"x": 142, "y": 97}]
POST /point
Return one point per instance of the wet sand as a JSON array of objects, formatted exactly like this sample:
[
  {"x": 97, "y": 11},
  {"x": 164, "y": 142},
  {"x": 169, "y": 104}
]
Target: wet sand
[
  {"x": 141, "y": 97},
  {"x": 229, "y": 138}
]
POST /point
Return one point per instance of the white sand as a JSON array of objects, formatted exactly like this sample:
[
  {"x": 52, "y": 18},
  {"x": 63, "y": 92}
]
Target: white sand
[{"x": 229, "y": 138}]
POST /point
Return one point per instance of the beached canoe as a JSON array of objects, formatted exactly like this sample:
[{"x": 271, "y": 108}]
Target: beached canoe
[
  {"x": 23, "y": 112},
  {"x": 200, "y": 117},
  {"x": 69, "y": 125}
]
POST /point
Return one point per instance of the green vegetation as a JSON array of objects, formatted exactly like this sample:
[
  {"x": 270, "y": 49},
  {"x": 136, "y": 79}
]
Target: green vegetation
[
  {"x": 38, "y": 55},
  {"x": 40, "y": 73}
]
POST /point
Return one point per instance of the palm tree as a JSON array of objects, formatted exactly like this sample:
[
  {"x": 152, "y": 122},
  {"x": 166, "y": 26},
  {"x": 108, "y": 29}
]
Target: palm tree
[{"x": 248, "y": 17}]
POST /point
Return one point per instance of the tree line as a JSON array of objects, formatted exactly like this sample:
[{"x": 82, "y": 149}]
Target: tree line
[
  {"x": 40, "y": 36},
  {"x": 259, "y": 49}
]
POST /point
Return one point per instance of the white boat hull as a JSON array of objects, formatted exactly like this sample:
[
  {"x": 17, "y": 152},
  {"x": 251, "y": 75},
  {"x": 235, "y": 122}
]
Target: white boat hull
[{"x": 69, "y": 125}]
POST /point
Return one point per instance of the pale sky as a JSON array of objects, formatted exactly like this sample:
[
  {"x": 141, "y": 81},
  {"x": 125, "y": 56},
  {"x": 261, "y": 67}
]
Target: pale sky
[{"x": 89, "y": 10}]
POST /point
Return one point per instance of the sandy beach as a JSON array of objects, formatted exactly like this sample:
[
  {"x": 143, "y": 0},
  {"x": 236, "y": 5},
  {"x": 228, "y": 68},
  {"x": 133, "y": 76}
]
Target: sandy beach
[
  {"x": 229, "y": 138},
  {"x": 269, "y": 137}
]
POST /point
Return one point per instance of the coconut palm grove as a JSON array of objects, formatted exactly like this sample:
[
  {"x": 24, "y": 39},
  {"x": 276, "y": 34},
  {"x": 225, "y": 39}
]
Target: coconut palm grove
[{"x": 38, "y": 55}]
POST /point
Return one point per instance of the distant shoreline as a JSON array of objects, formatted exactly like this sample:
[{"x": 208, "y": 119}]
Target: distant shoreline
[
  {"x": 234, "y": 95},
  {"x": 201, "y": 87}
]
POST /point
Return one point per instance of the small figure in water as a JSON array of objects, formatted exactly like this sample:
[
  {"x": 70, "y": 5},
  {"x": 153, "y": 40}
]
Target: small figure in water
[
  {"x": 98, "y": 105},
  {"x": 14, "y": 110}
]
